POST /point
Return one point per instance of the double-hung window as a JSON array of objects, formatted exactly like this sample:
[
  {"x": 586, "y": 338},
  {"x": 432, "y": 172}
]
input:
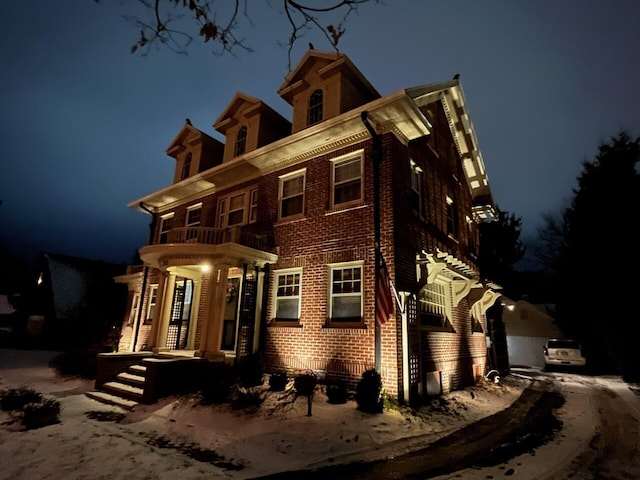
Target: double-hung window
[
  {"x": 288, "y": 290},
  {"x": 186, "y": 166},
  {"x": 153, "y": 299},
  {"x": 238, "y": 208},
  {"x": 346, "y": 180},
  {"x": 452, "y": 217},
  {"x": 241, "y": 141},
  {"x": 291, "y": 195},
  {"x": 316, "y": 102},
  {"x": 433, "y": 306},
  {"x": 345, "y": 294},
  {"x": 193, "y": 221},
  {"x": 166, "y": 224},
  {"x": 416, "y": 188}
]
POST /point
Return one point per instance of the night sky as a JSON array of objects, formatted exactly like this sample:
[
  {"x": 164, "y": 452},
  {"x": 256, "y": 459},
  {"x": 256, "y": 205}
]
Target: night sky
[{"x": 85, "y": 124}]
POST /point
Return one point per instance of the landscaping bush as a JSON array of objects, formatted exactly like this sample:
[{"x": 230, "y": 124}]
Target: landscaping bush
[
  {"x": 217, "y": 384},
  {"x": 41, "y": 414},
  {"x": 245, "y": 398},
  {"x": 77, "y": 363},
  {"x": 251, "y": 370},
  {"x": 337, "y": 392},
  {"x": 16, "y": 398},
  {"x": 305, "y": 384},
  {"x": 369, "y": 392},
  {"x": 278, "y": 382}
]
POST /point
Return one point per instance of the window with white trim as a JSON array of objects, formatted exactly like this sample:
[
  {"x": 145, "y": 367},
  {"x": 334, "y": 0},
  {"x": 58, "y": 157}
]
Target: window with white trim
[
  {"x": 287, "y": 295},
  {"x": 345, "y": 294},
  {"x": 192, "y": 221},
  {"x": 166, "y": 224},
  {"x": 452, "y": 220},
  {"x": 151, "y": 308},
  {"x": 416, "y": 188},
  {"x": 432, "y": 303},
  {"x": 238, "y": 208},
  {"x": 133, "y": 311},
  {"x": 347, "y": 181},
  {"x": 291, "y": 194},
  {"x": 186, "y": 166}
]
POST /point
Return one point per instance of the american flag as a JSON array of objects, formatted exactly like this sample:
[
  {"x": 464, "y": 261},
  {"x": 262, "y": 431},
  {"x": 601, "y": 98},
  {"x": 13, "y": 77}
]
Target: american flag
[{"x": 384, "y": 300}]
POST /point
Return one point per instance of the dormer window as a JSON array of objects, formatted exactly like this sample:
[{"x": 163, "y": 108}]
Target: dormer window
[
  {"x": 241, "y": 141},
  {"x": 186, "y": 166},
  {"x": 315, "y": 107}
]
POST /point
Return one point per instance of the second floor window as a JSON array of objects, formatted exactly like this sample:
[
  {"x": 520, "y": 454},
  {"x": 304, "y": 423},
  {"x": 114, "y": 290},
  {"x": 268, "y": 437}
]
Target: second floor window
[
  {"x": 452, "y": 218},
  {"x": 241, "y": 141},
  {"x": 287, "y": 307},
  {"x": 416, "y": 188},
  {"x": 238, "y": 208},
  {"x": 346, "y": 181},
  {"x": 193, "y": 221},
  {"x": 292, "y": 195},
  {"x": 345, "y": 305},
  {"x": 315, "y": 107},
  {"x": 186, "y": 166},
  {"x": 166, "y": 224}
]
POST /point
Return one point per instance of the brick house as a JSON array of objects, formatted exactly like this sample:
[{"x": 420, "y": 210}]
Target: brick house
[{"x": 266, "y": 242}]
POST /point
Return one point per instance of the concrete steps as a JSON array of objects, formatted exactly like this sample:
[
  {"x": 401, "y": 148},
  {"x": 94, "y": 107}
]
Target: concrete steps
[{"x": 126, "y": 391}]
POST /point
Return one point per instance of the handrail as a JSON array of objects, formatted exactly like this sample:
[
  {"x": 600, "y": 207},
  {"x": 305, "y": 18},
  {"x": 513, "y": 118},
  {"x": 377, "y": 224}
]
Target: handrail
[{"x": 216, "y": 236}]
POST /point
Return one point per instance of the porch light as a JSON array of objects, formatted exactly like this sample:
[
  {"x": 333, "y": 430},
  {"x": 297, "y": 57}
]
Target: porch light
[{"x": 205, "y": 268}]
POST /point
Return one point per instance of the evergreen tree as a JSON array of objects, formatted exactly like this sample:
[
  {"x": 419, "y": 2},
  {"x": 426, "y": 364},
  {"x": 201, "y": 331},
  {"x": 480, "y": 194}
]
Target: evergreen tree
[{"x": 598, "y": 260}]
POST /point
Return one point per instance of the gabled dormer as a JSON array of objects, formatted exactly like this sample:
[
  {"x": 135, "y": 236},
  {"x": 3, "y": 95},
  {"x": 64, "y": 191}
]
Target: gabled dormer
[
  {"x": 247, "y": 124},
  {"x": 323, "y": 86},
  {"x": 194, "y": 151}
]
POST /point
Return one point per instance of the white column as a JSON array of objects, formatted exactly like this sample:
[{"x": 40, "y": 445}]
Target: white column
[{"x": 163, "y": 323}]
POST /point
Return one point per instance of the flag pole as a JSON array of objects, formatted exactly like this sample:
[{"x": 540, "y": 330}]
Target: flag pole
[{"x": 375, "y": 155}]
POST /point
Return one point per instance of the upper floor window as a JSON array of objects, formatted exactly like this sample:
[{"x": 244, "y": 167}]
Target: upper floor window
[
  {"x": 287, "y": 303},
  {"x": 238, "y": 208},
  {"x": 241, "y": 141},
  {"x": 166, "y": 224},
  {"x": 416, "y": 188},
  {"x": 433, "y": 306},
  {"x": 346, "y": 181},
  {"x": 452, "y": 218},
  {"x": 193, "y": 220},
  {"x": 291, "y": 194},
  {"x": 133, "y": 311},
  {"x": 186, "y": 166},
  {"x": 345, "y": 302},
  {"x": 315, "y": 107}
]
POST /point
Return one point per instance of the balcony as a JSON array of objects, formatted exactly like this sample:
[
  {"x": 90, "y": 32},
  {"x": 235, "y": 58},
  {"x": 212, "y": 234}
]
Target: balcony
[{"x": 187, "y": 244}]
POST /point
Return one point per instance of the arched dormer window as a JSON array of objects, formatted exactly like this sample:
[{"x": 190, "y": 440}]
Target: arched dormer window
[
  {"x": 315, "y": 107},
  {"x": 186, "y": 166},
  {"x": 241, "y": 141}
]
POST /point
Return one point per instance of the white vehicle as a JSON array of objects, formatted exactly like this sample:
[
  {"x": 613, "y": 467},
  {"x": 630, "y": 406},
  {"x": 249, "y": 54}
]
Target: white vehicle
[{"x": 563, "y": 352}]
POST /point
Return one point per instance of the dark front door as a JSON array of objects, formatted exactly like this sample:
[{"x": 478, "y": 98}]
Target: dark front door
[{"x": 180, "y": 314}]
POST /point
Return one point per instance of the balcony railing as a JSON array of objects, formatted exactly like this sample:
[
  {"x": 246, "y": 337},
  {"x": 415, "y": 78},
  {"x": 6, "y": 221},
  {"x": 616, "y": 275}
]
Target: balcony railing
[{"x": 216, "y": 236}]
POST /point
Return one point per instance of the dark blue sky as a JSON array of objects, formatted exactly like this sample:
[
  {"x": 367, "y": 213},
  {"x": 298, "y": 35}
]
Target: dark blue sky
[{"x": 84, "y": 124}]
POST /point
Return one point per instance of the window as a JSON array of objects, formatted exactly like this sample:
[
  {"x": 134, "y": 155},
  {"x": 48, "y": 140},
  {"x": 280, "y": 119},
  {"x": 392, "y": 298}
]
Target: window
[
  {"x": 347, "y": 181},
  {"x": 292, "y": 194},
  {"x": 166, "y": 224},
  {"x": 193, "y": 221},
  {"x": 452, "y": 223},
  {"x": 186, "y": 166},
  {"x": 346, "y": 294},
  {"x": 287, "y": 305},
  {"x": 133, "y": 311},
  {"x": 315, "y": 107},
  {"x": 153, "y": 298},
  {"x": 239, "y": 208},
  {"x": 241, "y": 141},
  {"x": 433, "y": 306},
  {"x": 416, "y": 188}
]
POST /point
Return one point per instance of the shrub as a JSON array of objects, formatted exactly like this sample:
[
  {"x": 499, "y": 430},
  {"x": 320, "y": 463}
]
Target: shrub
[
  {"x": 81, "y": 363},
  {"x": 217, "y": 384},
  {"x": 41, "y": 414},
  {"x": 278, "y": 382},
  {"x": 305, "y": 384},
  {"x": 369, "y": 392},
  {"x": 17, "y": 398},
  {"x": 242, "y": 398},
  {"x": 337, "y": 392},
  {"x": 251, "y": 370}
]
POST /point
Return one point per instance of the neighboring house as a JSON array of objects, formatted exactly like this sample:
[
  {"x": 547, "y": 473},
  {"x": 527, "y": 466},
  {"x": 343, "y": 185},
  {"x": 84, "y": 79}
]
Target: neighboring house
[
  {"x": 528, "y": 326},
  {"x": 7, "y": 319},
  {"x": 72, "y": 302},
  {"x": 266, "y": 242}
]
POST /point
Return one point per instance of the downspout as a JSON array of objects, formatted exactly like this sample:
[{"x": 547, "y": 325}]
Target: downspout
[
  {"x": 376, "y": 154},
  {"x": 152, "y": 227}
]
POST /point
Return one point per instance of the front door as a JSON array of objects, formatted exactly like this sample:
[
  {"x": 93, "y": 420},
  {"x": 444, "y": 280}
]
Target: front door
[
  {"x": 230, "y": 321},
  {"x": 180, "y": 314}
]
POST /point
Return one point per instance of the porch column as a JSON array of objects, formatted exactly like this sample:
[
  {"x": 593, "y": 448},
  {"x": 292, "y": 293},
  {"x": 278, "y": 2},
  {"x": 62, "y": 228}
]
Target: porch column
[
  {"x": 195, "y": 308},
  {"x": 157, "y": 314},
  {"x": 214, "y": 314},
  {"x": 160, "y": 343}
]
